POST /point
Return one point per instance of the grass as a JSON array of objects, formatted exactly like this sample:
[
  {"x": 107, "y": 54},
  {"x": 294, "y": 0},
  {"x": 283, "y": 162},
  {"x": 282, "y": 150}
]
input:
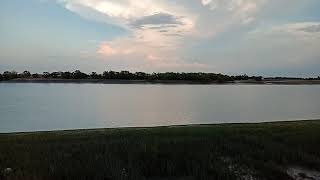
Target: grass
[{"x": 229, "y": 151}]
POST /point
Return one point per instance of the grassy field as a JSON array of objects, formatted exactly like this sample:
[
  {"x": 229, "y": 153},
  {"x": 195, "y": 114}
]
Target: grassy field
[{"x": 234, "y": 151}]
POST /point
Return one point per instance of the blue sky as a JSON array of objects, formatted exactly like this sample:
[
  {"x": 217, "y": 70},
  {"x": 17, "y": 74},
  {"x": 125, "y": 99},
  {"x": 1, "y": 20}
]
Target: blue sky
[{"x": 267, "y": 37}]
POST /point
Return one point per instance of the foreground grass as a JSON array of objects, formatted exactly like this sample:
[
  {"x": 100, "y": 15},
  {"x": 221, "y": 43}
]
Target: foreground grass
[{"x": 234, "y": 151}]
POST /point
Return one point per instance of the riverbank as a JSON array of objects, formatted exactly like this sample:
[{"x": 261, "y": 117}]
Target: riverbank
[
  {"x": 119, "y": 81},
  {"x": 278, "y": 150}
]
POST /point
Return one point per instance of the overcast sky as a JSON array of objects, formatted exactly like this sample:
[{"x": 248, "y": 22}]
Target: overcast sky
[{"x": 257, "y": 37}]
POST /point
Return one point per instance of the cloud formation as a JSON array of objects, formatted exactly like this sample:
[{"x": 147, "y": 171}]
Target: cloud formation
[
  {"x": 286, "y": 49},
  {"x": 159, "y": 31},
  {"x": 245, "y": 10},
  {"x": 156, "y": 20},
  {"x": 155, "y": 27},
  {"x": 171, "y": 17},
  {"x": 304, "y": 27},
  {"x": 159, "y": 28}
]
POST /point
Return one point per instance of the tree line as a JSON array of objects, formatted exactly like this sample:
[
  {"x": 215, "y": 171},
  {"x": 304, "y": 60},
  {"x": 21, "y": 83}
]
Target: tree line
[{"x": 127, "y": 75}]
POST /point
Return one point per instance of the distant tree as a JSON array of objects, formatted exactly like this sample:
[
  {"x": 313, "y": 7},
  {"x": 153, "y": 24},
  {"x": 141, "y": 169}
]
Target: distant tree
[
  {"x": 79, "y": 75},
  {"x": 7, "y": 75},
  {"x": 221, "y": 80},
  {"x": 105, "y": 75},
  {"x": 35, "y": 75},
  {"x": 141, "y": 76},
  {"x": 55, "y": 74},
  {"x": 241, "y": 77},
  {"x": 110, "y": 75},
  {"x": 1, "y": 77},
  {"x": 257, "y": 78},
  {"x": 66, "y": 75},
  {"x": 125, "y": 75},
  {"x": 46, "y": 74},
  {"x": 94, "y": 75},
  {"x": 26, "y": 74}
]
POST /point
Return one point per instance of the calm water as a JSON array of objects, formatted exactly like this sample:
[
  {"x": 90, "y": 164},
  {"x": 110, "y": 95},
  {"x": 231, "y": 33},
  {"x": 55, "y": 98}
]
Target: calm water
[{"x": 30, "y": 107}]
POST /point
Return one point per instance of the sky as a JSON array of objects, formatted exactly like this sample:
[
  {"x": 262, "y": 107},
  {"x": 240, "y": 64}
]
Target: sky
[{"x": 254, "y": 37}]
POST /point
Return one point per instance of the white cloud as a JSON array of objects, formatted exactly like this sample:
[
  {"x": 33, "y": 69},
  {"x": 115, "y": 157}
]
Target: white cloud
[
  {"x": 106, "y": 50},
  {"x": 210, "y": 3},
  {"x": 162, "y": 28},
  {"x": 303, "y": 31},
  {"x": 300, "y": 29},
  {"x": 125, "y": 11},
  {"x": 288, "y": 48},
  {"x": 243, "y": 10},
  {"x": 170, "y": 17},
  {"x": 139, "y": 56}
]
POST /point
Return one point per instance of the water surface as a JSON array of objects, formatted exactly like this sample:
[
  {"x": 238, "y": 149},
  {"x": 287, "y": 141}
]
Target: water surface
[{"x": 37, "y": 107}]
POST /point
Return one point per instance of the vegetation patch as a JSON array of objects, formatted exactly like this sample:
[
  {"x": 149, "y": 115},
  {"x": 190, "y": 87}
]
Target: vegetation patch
[
  {"x": 299, "y": 173},
  {"x": 230, "y": 151}
]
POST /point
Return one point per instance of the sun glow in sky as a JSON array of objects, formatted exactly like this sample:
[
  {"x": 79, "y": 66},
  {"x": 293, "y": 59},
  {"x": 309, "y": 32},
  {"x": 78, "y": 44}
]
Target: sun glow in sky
[{"x": 265, "y": 37}]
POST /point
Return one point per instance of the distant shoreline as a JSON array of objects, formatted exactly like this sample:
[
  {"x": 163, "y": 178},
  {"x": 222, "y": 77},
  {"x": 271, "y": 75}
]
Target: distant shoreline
[{"x": 119, "y": 81}]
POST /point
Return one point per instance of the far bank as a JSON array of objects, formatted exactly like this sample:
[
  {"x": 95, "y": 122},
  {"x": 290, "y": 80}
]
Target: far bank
[{"x": 119, "y": 81}]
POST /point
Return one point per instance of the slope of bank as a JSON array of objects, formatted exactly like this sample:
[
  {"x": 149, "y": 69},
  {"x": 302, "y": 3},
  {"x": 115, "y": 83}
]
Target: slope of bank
[{"x": 281, "y": 150}]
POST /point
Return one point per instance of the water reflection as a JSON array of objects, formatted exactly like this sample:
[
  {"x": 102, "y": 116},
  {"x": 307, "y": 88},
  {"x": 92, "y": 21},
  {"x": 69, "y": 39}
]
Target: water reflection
[{"x": 29, "y": 107}]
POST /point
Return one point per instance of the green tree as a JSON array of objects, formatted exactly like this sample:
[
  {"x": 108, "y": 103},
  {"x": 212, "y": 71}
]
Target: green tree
[
  {"x": 94, "y": 75},
  {"x": 7, "y": 75},
  {"x": 109, "y": 75},
  {"x": 257, "y": 78},
  {"x": 55, "y": 75},
  {"x": 79, "y": 75},
  {"x": 26, "y": 74},
  {"x": 35, "y": 75},
  {"x": 46, "y": 75},
  {"x": 66, "y": 75}
]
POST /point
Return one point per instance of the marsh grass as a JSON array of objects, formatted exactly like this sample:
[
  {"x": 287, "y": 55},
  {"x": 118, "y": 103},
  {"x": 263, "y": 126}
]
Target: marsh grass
[{"x": 229, "y": 151}]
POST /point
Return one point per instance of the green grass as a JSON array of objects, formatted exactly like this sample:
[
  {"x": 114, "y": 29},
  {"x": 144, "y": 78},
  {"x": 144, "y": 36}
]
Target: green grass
[{"x": 229, "y": 151}]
